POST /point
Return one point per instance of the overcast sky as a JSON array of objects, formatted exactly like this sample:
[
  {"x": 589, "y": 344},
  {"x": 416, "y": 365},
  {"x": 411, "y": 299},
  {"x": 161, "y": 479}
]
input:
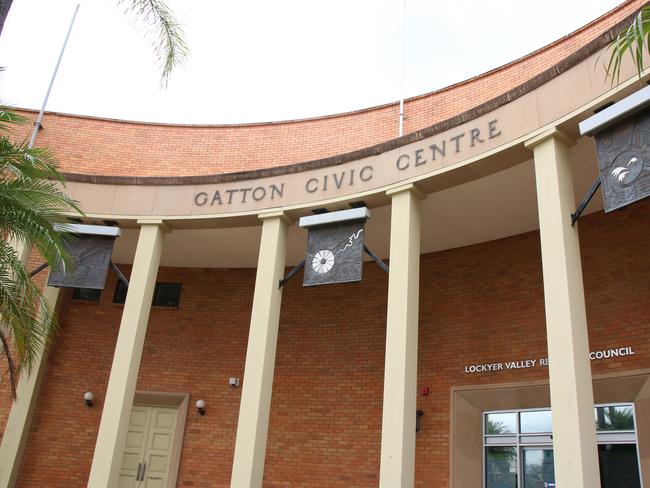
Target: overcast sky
[{"x": 263, "y": 60}]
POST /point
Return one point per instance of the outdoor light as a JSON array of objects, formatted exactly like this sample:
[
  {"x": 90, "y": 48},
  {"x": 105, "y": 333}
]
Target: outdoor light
[
  {"x": 418, "y": 422},
  {"x": 88, "y": 398},
  {"x": 200, "y": 406}
]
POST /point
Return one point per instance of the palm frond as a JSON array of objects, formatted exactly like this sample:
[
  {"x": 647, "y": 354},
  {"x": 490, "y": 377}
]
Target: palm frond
[
  {"x": 164, "y": 31},
  {"x": 30, "y": 208},
  {"x": 25, "y": 316},
  {"x": 17, "y": 159},
  {"x": 634, "y": 41},
  {"x": 32, "y": 200},
  {"x": 9, "y": 117},
  {"x": 11, "y": 366}
]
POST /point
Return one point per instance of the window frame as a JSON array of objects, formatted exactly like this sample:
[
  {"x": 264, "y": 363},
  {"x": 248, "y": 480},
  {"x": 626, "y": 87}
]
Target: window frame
[
  {"x": 167, "y": 283},
  {"x": 120, "y": 285},
  {"x": 86, "y": 300}
]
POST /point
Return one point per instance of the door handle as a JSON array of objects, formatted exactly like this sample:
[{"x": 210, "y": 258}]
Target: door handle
[
  {"x": 144, "y": 467},
  {"x": 137, "y": 474},
  {"x": 140, "y": 474}
]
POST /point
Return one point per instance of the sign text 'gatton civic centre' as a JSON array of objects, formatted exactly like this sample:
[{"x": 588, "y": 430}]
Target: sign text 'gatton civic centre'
[{"x": 329, "y": 183}]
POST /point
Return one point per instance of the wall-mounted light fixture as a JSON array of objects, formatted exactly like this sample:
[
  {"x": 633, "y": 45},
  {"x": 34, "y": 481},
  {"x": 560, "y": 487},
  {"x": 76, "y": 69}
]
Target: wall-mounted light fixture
[
  {"x": 200, "y": 406},
  {"x": 233, "y": 382},
  {"x": 418, "y": 422},
  {"x": 88, "y": 398}
]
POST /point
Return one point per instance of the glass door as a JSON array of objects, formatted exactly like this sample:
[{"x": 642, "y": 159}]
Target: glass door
[{"x": 537, "y": 467}]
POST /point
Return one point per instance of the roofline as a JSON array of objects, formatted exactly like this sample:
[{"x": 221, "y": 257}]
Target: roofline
[
  {"x": 544, "y": 77},
  {"x": 365, "y": 109}
]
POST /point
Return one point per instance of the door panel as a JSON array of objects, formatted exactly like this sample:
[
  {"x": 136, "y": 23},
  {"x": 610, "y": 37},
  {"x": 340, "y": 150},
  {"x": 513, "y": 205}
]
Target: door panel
[
  {"x": 159, "y": 446},
  {"x": 538, "y": 467},
  {"x": 135, "y": 446}
]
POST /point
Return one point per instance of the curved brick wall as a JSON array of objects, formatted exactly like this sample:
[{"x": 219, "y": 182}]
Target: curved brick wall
[{"x": 111, "y": 147}]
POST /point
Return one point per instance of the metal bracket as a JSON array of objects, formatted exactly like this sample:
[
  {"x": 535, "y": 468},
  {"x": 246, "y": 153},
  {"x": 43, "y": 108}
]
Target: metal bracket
[
  {"x": 375, "y": 258},
  {"x": 120, "y": 275},
  {"x": 585, "y": 201},
  {"x": 38, "y": 270},
  {"x": 116, "y": 270},
  {"x": 298, "y": 267}
]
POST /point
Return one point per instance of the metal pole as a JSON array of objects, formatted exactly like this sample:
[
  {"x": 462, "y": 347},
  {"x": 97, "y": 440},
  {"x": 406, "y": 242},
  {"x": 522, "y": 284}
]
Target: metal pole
[
  {"x": 39, "y": 119},
  {"x": 401, "y": 99}
]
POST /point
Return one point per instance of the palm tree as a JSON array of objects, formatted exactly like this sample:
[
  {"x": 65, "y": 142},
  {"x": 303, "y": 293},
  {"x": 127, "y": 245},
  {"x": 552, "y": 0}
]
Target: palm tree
[
  {"x": 162, "y": 28},
  {"x": 31, "y": 202},
  {"x": 635, "y": 40}
]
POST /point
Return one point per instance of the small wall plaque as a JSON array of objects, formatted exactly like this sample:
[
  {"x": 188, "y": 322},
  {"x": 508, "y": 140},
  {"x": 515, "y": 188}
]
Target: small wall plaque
[
  {"x": 624, "y": 160},
  {"x": 90, "y": 250},
  {"x": 335, "y": 247}
]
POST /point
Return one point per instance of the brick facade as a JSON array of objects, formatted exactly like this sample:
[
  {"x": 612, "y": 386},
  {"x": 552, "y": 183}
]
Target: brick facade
[
  {"x": 482, "y": 303},
  {"x": 478, "y": 304}
]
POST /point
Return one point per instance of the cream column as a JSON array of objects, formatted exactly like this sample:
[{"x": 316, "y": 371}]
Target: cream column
[
  {"x": 126, "y": 359},
  {"x": 572, "y": 399},
  {"x": 252, "y": 427},
  {"x": 22, "y": 410},
  {"x": 397, "y": 468}
]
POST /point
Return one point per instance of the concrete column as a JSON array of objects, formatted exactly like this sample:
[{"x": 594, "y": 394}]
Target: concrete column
[
  {"x": 22, "y": 410},
  {"x": 400, "y": 372},
  {"x": 572, "y": 399},
  {"x": 126, "y": 360},
  {"x": 252, "y": 427}
]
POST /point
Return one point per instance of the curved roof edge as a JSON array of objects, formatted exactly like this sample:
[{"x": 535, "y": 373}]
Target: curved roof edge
[
  {"x": 615, "y": 30},
  {"x": 545, "y": 76}
]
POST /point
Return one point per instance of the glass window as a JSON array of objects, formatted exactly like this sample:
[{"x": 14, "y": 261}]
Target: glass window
[
  {"x": 519, "y": 448},
  {"x": 538, "y": 468},
  {"x": 167, "y": 294},
  {"x": 535, "y": 421},
  {"x": 501, "y": 467},
  {"x": 120, "y": 292},
  {"x": 501, "y": 423},
  {"x": 619, "y": 466},
  {"x": 87, "y": 294},
  {"x": 614, "y": 418}
]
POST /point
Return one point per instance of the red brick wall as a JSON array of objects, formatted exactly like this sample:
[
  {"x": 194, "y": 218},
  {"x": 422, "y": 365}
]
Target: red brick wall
[
  {"x": 113, "y": 147},
  {"x": 481, "y": 303}
]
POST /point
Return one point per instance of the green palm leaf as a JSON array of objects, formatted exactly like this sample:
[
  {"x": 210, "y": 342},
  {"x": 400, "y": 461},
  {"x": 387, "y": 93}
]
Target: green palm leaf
[
  {"x": 164, "y": 31},
  {"x": 25, "y": 317},
  {"x": 32, "y": 200},
  {"x": 634, "y": 41}
]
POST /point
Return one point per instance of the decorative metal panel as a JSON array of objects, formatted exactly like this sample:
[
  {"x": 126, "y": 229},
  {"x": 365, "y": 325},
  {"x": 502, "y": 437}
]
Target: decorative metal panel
[
  {"x": 624, "y": 159},
  {"x": 91, "y": 257},
  {"x": 334, "y": 253}
]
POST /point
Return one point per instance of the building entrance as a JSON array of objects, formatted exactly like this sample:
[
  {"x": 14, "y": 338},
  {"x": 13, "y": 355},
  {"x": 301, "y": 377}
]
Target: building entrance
[
  {"x": 148, "y": 447},
  {"x": 519, "y": 448}
]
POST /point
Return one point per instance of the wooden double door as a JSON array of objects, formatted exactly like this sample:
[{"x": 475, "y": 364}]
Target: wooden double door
[{"x": 148, "y": 447}]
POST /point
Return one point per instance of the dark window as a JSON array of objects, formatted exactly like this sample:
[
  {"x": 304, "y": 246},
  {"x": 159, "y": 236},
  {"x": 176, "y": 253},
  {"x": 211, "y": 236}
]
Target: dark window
[
  {"x": 167, "y": 294},
  {"x": 87, "y": 294},
  {"x": 619, "y": 466},
  {"x": 120, "y": 292}
]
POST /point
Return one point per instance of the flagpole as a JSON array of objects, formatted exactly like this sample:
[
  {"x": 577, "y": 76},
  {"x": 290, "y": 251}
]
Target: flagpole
[
  {"x": 39, "y": 119},
  {"x": 401, "y": 100}
]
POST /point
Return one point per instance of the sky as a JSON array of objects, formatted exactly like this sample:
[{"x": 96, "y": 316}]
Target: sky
[{"x": 262, "y": 60}]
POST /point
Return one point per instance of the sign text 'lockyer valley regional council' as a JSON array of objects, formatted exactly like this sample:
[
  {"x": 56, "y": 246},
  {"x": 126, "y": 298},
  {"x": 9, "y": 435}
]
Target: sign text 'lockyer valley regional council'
[
  {"x": 543, "y": 362},
  {"x": 328, "y": 184}
]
